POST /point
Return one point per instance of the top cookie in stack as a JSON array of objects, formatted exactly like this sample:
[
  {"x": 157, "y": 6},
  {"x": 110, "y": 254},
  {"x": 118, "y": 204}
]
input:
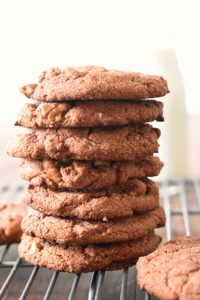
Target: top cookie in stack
[{"x": 87, "y": 157}]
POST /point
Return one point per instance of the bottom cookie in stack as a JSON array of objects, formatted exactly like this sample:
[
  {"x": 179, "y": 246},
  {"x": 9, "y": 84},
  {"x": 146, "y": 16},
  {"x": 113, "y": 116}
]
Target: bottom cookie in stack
[
  {"x": 86, "y": 258},
  {"x": 76, "y": 245}
]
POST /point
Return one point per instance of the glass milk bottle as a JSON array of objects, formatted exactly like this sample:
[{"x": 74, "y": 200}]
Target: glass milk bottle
[{"x": 173, "y": 141}]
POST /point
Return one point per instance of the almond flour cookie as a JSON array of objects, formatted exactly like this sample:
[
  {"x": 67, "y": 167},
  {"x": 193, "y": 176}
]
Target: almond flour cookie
[
  {"x": 122, "y": 143},
  {"x": 90, "y": 176},
  {"x": 173, "y": 271},
  {"x": 117, "y": 202},
  {"x": 63, "y": 231},
  {"x": 92, "y": 82},
  {"x": 74, "y": 258},
  {"x": 89, "y": 113},
  {"x": 11, "y": 215}
]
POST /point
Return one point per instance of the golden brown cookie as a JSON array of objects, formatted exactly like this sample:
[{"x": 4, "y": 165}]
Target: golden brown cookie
[
  {"x": 11, "y": 215},
  {"x": 64, "y": 231},
  {"x": 74, "y": 258},
  {"x": 121, "y": 143},
  {"x": 87, "y": 175},
  {"x": 89, "y": 113},
  {"x": 92, "y": 82},
  {"x": 173, "y": 271},
  {"x": 111, "y": 203}
]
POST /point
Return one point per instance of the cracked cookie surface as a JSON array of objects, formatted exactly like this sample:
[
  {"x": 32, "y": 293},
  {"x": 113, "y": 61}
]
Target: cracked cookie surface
[
  {"x": 173, "y": 271},
  {"x": 137, "y": 196},
  {"x": 74, "y": 258},
  {"x": 121, "y": 143},
  {"x": 89, "y": 113},
  {"x": 92, "y": 82},
  {"x": 87, "y": 175},
  {"x": 11, "y": 215},
  {"x": 64, "y": 231}
]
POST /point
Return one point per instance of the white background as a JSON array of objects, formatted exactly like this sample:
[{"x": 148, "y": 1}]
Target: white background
[{"x": 121, "y": 34}]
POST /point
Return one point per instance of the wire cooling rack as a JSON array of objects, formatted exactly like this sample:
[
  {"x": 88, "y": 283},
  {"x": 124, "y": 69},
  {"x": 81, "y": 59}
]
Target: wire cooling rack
[{"x": 19, "y": 280}]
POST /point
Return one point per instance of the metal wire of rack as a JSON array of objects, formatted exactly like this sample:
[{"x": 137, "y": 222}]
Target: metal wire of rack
[{"x": 20, "y": 280}]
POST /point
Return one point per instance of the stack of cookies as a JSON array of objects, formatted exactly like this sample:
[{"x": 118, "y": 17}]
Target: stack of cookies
[{"x": 87, "y": 156}]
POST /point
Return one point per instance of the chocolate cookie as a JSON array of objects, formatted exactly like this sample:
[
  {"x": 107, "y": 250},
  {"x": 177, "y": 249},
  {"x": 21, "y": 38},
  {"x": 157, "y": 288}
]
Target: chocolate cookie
[
  {"x": 90, "y": 176},
  {"x": 92, "y": 82},
  {"x": 172, "y": 271},
  {"x": 89, "y": 258},
  {"x": 89, "y": 113},
  {"x": 64, "y": 231},
  {"x": 122, "y": 143},
  {"x": 112, "y": 203},
  {"x": 11, "y": 215}
]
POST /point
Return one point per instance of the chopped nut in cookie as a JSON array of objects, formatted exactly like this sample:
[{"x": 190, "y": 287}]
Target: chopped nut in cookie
[
  {"x": 35, "y": 247},
  {"x": 28, "y": 90}
]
